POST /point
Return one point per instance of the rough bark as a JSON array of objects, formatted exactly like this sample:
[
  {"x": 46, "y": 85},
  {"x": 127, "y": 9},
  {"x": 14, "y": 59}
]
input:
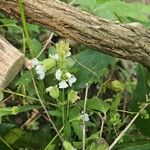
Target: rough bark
[
  {"x": 128, "y": 41},
  {"x": 11, "y": 60}
]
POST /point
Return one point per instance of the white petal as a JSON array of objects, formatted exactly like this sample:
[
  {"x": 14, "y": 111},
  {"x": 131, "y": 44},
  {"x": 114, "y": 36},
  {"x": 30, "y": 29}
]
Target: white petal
[
  {"x": 72, "y": 80},
  {"x": 85, "y": 117},
  {"x": 41, "y": 76},
  {"x": 68, "y": 75},
  {"x": 58, "y": 74},
  {"x": 55, "y": 56},
  {"x": 49, "y": 89},
  {"x": 68, "y": 54},
  {"x": 63, "y": 84},
  {"x": 39, "y": 69},
  {"x": 35, "y": 62}
]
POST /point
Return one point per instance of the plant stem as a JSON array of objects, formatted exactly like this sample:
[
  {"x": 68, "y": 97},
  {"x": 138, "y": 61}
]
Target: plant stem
[
  {"x": 84, "y": 123},
  {"x": 53, "y": 139},
  {"x": 22, "y": 13},
  {"x": 48, "y": 41},
  {"x": 6, "y": 143},
  {"x": 42, "y": 104},
  {"x": 127, "y": 127},
  {"x": 102, "y": 125}
]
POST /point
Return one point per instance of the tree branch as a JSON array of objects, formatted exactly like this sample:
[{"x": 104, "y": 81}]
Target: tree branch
[{"x": 128, "y": 41}]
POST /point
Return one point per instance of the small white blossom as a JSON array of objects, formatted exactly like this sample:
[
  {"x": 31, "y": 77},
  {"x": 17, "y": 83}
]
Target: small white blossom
[
  {"x": 55, "y": 56},
  {"x": 58, "y": 74},
  {"x": 40, "y": 71},
  {"x": 85, "y": 117},
  {"x": 68, "y": 54},
  {"x": 66, "y": 79},
  {"x": 72, "y": 80},
  {"x": 49, "y": 89},
  {"x": 63, "y": 84},
  {"x": 35, "y": 62}
]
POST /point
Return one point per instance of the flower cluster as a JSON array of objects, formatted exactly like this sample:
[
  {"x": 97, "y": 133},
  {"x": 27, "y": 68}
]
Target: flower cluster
[
  {"x": 58, "y": 60},
  {"x": 39, "y": 68},
  {"x": 65, "y": 78}
]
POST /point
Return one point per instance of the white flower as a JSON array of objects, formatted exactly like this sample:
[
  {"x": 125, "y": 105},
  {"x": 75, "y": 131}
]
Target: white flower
[
  {"x": 49, "y": 89},
  {"x": 72, "y": 80},
  {"x": 68, "y": 54},
  {"x": 66, "y": 79},
  {"x": 58, "y": 74},
  {"x": 35, "y": 62},
  {"x": 40, "y": 71},
  {"x": 63, "y": 84},
  {"x": 55, "y": 56},
  {"x": 85, "y": 117}
]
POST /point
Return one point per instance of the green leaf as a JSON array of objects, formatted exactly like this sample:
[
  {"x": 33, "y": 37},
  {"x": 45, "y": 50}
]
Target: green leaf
[
  {"x": 48, "y": 63},
  {"x": 94, "y": 66},
  {"x": 86, "y": 4},
  {"x": 99, "y": 144},
  {"x": 15, "y": 110},
  {"x": 75, "y": 112},
  {"x": 67, "y": 130},
  {"x": 97, "y": 104},
  {"x": 13, "y": 135},
  {"x": 139, "y": 96},
  {"x": 136, "y": 146},
  {"x": 25, "y": 79},
  {"x": 67, "y": 145},
  {"x": 36, "y": 46}
]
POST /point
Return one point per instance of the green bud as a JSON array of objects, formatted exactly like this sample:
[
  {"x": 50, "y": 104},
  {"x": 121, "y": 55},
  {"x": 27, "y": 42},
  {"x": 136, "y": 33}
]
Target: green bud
[
  {"x": 73, "y": 96},
  {"x": 53, "y": 91},
  {"x": 48, "y": 63},
  {"x": 15, "y": 110},
  {"x": 62, "y": 48},
  {"x": 116, "y": 86},
  {"x": 67, "y": 145}
]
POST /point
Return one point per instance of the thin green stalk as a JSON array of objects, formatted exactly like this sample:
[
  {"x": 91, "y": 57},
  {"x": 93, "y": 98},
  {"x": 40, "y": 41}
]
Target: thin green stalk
[
  {"x": 84, "y": 123},
  {"x": 63, "y": 107},
  {"x": 22, "y": 95},
  {"x": 24, "y": 23},
  {"x": 53, "y": 139},
  {"x": 6, "y": 143},
  {"x": 127, "y": 127},
  {"x": 48, "y": 41},
  {"x": 42, "y": 104}
]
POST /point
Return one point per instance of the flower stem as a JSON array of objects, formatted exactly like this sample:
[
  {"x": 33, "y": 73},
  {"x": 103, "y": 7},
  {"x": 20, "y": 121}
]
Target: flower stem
[{"x": 84, "y": 111}]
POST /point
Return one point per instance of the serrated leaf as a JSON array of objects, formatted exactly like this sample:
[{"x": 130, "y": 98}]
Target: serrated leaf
[
  {"x": 94, "y": 65},
  {"x": 97, "y": 104}
]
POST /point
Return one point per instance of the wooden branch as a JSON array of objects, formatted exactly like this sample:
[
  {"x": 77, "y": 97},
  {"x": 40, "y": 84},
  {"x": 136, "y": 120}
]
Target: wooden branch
[
  {"x": 11, "y": 61},
  {"x": 128, "y": 41}
]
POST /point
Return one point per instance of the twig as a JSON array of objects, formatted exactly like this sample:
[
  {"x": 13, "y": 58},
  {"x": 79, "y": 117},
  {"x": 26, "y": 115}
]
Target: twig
[
  {"x": 46, "y": 44},
  {"x": 84, "y": 111},
  {"x": 127, "y": 127},
  {"x": 34, "y": 116},
  {"x": 102, "y": 125}
]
